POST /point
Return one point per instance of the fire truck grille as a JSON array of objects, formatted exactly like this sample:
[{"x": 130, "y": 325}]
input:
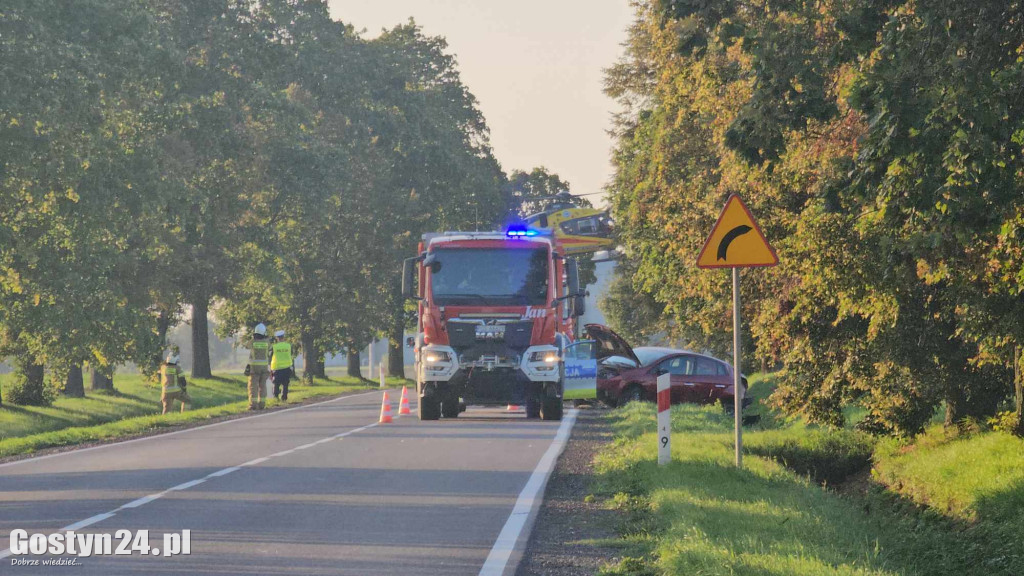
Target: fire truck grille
[{"x": 512, "y": 336}]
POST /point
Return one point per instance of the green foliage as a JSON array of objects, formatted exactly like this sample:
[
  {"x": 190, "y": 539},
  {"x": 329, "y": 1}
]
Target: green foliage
[
  {"x": 243, "y": 154},
  {"x": 633, "y": 314},
  {"x": 882, "y": 163},
  {"x": 1005, "y": 421}
]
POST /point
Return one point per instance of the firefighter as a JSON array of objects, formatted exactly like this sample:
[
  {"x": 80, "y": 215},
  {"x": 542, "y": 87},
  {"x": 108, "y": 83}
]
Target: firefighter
[
  {"x": 173, "y": 383},
  {"x": 281, "y": 365},
  {"x": 256, "y": 369}
]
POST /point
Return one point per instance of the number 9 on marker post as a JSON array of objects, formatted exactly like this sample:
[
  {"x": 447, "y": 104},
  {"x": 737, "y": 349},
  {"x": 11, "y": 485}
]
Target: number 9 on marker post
[{"x": 664, "y": 419}]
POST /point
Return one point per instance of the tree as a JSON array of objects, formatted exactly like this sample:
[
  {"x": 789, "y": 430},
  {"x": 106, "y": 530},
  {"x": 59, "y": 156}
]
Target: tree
[
  {"x": 880, "y": 162},
  {"x": 443, "y": 174},
  {"x": 74, "y": 97}
]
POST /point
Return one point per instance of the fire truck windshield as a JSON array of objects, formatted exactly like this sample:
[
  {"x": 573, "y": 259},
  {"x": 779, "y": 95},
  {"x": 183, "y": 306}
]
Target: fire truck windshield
[{"x": 489, "y": 276}]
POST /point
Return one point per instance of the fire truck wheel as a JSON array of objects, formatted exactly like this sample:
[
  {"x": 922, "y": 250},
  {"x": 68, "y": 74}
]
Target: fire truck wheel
[
  {"x": 450, "y": 406},
  {"x": 532, "y": 406},
  {"x": 429, "y": 407},
  {"x": 551, "y": 408}
]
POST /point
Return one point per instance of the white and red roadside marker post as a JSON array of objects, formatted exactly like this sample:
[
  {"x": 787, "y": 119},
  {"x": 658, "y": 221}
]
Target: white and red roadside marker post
[{"x": 664, "y": 419}]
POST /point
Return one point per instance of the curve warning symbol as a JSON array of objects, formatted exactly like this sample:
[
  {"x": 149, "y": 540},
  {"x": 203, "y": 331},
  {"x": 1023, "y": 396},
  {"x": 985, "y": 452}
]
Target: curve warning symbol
[
  {"x": 736, "y": 241},
  {"x": 723, "y": 246}
]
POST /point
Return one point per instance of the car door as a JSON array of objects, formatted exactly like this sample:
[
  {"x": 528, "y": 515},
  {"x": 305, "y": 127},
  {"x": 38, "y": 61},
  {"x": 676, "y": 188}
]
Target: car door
[
  {"x": 704, "y": 379},
  {"x": 676, "y": 367},
  {"x": 579, "y": 362}
]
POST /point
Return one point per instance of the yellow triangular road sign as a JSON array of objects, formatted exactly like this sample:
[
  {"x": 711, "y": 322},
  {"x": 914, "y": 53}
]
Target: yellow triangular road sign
[{"x": 736, "y": 240}]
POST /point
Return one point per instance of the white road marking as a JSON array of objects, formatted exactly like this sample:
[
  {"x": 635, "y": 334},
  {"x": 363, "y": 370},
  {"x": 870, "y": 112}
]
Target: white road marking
[
  {"x": 186, "y": 485},
  {"x": 223, "y": 472},
  {"x": 143, "y": 500},
  {"x": 185, "y": 431},
  {"x": 528, "y": 502}
]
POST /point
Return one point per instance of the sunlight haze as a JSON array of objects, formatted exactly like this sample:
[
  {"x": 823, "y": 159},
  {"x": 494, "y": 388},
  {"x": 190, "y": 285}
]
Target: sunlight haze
[{"x": 536, "y": 68}]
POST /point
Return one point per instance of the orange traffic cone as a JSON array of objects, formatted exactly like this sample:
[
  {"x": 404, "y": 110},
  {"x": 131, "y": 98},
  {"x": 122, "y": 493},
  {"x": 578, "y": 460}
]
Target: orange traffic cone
[
  {"x": 512, "y": 408},
  {"x": 385, "y": 410},
  {"x": 403, "y": 406}
]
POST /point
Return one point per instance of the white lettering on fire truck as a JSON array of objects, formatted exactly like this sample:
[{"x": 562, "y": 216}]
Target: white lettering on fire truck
[{"x": 532, "y": 312}]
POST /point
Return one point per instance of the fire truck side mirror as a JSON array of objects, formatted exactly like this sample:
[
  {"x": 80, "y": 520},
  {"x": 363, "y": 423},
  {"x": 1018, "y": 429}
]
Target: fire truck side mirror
[
  {"x": 409, "y": 277},
  {"x": 572, "y": 273},
  {"x": 579, "y": 305}
]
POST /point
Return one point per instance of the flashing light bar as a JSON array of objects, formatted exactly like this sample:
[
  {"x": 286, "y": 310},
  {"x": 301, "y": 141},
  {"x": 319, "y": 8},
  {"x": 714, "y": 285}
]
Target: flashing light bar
[{"x": 520, "y": 233}]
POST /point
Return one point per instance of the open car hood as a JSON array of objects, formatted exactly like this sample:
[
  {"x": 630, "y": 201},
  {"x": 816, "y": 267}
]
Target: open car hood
[{"x": 609, "y": 343}]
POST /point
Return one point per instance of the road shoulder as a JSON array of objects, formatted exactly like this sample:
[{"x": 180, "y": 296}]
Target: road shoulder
[{"x": 566, "y": 538}]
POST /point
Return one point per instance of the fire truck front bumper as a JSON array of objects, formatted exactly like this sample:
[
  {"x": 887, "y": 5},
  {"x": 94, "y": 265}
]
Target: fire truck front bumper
[{"x": 536, "y": 364}]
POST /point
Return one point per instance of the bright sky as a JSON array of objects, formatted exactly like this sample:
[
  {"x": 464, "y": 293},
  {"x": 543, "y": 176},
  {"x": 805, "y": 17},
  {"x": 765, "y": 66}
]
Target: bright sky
[{"x": 536, "y": 67}]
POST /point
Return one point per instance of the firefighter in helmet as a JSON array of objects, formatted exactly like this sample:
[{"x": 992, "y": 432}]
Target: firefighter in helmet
[
  {"x": 281, "y": 364},
  {"x": 256, "y": 369},
  {"x": 173, "y": 383}
]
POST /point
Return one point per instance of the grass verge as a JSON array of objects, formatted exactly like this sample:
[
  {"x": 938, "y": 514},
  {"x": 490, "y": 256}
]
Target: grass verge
[
  {"x": 700, "y": 515},
  {"x": 134, "y": 408}
]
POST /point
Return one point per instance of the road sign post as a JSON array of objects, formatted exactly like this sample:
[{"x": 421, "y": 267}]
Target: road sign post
[
  {"x": 664, "y": 419},
  {"x": 731, "y": 244},
  {"x": 737, "y": 383}
]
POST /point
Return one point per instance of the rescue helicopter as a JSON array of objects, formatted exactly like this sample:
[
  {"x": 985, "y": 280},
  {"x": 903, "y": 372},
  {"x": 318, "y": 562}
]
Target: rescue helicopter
[{"x": 580, "y": 229}]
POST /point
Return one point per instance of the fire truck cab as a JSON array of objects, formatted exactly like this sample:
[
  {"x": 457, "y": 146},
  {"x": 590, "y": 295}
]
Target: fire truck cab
[{"x": 496, "y": 310}]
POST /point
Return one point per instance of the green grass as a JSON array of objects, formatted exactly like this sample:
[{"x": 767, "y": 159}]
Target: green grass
[
  {"x": 700, "y": 515},
  {"x": 977, "y": 479},
  {"x": 135, "y": 408}
]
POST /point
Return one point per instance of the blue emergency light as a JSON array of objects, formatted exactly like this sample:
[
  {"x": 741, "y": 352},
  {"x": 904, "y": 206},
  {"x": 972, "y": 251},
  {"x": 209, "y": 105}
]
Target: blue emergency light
[{"x": 520, "y": 232}]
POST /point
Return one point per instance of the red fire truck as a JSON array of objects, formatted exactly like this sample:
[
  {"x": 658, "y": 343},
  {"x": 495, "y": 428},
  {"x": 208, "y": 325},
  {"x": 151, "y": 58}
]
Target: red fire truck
[{"x": 496, "y": 312}]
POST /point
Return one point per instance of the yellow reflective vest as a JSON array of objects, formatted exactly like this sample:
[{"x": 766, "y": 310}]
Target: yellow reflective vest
[
  {"x": 259, "y": 353},
  {"x": 282, "y": 357},
  {"x": 169, "y": 377}
]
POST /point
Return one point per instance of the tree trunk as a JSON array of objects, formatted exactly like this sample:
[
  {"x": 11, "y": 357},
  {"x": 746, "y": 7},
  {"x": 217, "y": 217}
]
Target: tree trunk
[
  {"x": 33, "y": 393},
  {"x": 956, "y": 405},
  {"x": 353, "y": 362},
  {"x": 1018, "y": 389},
  {"x": 102, "y": 378},
  {"x": 201, "y": 339},
  {"x": 320, "y": 367},
  {"x": 74, "y": 386},
  {"x": 396, "y": 346},
  {"x": 309, "y": 358}
]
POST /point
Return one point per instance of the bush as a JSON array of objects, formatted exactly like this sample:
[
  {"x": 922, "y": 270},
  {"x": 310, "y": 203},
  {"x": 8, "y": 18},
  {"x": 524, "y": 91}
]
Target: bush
[
  {"x": 827, "y": 456},
  {"x": 22, "y": 390},
  {"x": 1007, "y": 421}
]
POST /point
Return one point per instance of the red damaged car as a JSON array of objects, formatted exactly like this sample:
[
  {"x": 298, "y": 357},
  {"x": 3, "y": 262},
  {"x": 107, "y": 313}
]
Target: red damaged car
[{"x": 625, "y": 374}]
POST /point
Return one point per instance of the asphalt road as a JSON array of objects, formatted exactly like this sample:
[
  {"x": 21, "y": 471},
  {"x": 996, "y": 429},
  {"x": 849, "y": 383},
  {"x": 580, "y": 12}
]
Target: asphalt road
[{"x": 319, "y": 489}]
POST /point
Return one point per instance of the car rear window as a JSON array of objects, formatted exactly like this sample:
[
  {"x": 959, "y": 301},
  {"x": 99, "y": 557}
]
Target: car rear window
[{"x": 706, "y": 367}]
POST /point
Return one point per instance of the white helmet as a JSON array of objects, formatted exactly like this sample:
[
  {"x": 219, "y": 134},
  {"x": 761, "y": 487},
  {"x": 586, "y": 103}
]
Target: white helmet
[
  {"x": 279, "y": 334},
  {"x": 260, "y": 329},
  {"x": 172, "y": 358}
]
